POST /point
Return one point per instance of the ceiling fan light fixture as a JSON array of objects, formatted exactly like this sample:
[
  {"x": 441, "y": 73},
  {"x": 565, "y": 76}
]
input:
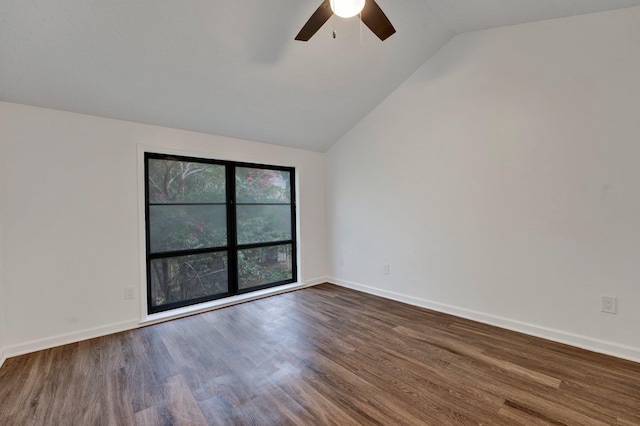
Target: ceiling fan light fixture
[
  {"x": 347, "y": 8},
  {"x": 373, "y": 17}
]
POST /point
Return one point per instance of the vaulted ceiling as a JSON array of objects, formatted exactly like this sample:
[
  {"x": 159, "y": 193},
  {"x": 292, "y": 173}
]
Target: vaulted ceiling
[{"x": 232, "y": 67}]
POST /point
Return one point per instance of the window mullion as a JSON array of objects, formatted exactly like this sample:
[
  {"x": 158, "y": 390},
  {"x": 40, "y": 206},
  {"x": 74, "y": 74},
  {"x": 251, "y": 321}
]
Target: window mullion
[
  {"x": 232, "y": 242},
  {"x": 185, "y": 249}
]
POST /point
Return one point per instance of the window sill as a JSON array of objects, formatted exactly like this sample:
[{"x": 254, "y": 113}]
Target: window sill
[{"x": 220, "y": 303}]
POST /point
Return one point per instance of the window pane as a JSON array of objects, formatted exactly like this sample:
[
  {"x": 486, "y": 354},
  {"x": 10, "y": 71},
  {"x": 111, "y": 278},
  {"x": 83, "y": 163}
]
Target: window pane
[
  {"x": 261, "y": 224},
  {"x": 185, "y": 227},
  {"x": 264, "y": 265},
  {"x": 187, "y": 202},
  {"x": 177, "y": 279},
  {"x": 173, "y": 181},
  {"x": 262, "y": 186}
]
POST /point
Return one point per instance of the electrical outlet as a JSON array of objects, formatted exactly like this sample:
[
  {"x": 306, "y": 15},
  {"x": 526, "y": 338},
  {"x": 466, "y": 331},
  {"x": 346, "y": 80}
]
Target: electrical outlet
[
  {"x": 609, "y": 304},
  {"x": 128, "y": 293},
  {"x": 385, "y": 269}
]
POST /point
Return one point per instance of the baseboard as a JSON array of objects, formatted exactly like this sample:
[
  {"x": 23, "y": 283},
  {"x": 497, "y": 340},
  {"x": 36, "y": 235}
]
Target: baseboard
[
  {"x": 64, "y": 339},
  {"x": 584, "y": 342},
  {"x": 315, "y": 281}
]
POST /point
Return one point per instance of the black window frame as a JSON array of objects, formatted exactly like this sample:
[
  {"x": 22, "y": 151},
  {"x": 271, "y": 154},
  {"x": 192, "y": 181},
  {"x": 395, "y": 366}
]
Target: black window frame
[{"x": 232, "y": 246}]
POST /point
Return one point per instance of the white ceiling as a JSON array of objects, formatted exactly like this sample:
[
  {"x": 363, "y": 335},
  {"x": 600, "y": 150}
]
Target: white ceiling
[{"x": 232, "y": 67}]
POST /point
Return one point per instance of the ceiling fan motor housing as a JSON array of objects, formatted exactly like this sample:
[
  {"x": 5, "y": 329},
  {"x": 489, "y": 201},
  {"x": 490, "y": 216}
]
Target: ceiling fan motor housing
[{"x": 347, "y": 8}]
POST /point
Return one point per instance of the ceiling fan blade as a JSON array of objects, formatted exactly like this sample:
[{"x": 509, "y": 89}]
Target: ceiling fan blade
[
  {"x": 317, "y": 20},
  {"x": 376, "y": 20}
]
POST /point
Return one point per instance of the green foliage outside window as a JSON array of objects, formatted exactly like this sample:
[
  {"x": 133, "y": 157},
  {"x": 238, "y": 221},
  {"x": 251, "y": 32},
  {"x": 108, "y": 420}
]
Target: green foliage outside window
[{"x": 187, "y": 211}]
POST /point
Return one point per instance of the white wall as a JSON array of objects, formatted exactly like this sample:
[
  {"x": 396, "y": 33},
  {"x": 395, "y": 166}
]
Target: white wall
[
  {"x": 70, "y": 218},
  {"x": 502, "y": 182},
  {"x": 2, "y": 297}
]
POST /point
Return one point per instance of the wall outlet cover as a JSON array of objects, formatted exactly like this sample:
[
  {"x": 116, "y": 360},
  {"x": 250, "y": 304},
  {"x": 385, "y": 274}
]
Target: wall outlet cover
[
  {"x": 609, "y": 304},
  {"x": 128, "y": 293}
]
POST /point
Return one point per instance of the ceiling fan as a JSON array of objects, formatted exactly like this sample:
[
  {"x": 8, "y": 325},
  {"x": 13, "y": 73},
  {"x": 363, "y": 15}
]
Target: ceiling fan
[{"x": 370, "y": 13}]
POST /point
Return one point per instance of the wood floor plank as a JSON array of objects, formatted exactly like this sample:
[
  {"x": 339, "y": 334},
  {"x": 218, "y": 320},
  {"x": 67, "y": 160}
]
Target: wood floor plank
[
  {"x": 324, "y": 355},
  {"x": 628, "y": 420},
  {"x": 117, "y": 406},
  {"x": 321, "y": 408},
  {"x": 522, "y": 416},
  {"x": 218, "y": 411},
  {"x": 467, "y": 350}
]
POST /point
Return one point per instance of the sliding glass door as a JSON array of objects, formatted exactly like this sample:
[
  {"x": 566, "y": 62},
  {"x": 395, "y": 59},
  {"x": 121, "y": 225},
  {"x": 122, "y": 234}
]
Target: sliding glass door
[{"x": 216, "y": 229}]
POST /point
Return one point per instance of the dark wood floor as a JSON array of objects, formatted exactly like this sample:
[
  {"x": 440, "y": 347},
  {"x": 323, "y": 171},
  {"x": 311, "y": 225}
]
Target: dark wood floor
[{"x": 323, "y": 355}]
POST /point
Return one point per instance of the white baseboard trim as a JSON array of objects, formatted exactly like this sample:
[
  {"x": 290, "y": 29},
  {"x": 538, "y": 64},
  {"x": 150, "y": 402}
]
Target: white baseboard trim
[
  {"x": 64, "y": 339},
  {"x": 315, "y": 281},
  {"x": 584, "y": 342}
]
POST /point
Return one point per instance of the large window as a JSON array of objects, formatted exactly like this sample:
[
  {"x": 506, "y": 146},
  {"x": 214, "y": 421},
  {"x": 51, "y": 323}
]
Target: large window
[{"x": 216, "y": 229}]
